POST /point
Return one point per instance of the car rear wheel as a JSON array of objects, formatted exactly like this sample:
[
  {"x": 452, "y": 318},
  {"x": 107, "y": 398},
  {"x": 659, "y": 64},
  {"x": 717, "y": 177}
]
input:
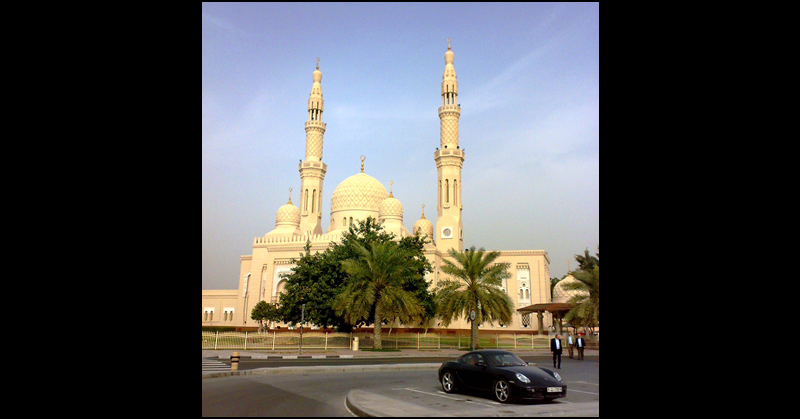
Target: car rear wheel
[
  {"x": 448, "y": 382},
  {"x": 501, "y": 390}
]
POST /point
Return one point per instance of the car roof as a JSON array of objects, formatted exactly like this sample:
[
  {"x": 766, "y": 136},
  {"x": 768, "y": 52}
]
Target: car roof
[{"x": 490, "y": 351}]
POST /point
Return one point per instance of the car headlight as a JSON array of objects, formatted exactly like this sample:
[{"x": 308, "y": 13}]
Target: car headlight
[
  {"x": 558, "y": 377},
  {"x": 523, "y": 378}
]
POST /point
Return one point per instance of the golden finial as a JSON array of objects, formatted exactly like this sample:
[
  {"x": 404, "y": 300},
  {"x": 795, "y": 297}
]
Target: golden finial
[
  {"x": 391, "y": 182},
  {"x": 362, "y": 163},
  {"x": 448, "y": 44},
  {"x": 423, "y": 212},
  {"x": 317, "y": 63},
  {"x": 290, "y": 196}
]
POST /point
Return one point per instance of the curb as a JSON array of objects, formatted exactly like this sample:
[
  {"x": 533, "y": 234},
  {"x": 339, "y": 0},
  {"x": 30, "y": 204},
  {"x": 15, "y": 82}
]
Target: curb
[
  {"x": 323, "y": 369},
  {"x": 290, "y": 356},
  {"x": 354, "y": 407}
]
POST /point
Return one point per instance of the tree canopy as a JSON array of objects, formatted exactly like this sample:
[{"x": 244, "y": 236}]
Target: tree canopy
[
  {"x": 318, "y": 278},
  {"x": 475, "y": 285},
  {"x": 376, "y": 285},
  {"x": 586, "y": 307}
]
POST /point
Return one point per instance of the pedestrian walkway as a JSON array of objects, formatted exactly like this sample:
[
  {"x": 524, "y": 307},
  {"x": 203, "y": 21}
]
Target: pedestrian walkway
[{"x": 214, "y": 365}]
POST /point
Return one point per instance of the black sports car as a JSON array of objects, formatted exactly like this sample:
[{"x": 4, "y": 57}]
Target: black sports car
[{"x": 504, "y": 374}]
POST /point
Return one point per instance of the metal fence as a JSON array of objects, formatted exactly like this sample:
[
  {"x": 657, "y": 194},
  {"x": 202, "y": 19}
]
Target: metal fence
[
  {"x": 327, "y": 340},
  {"x": 456, "y": 341},
  {"x": 273, "y": 341}
]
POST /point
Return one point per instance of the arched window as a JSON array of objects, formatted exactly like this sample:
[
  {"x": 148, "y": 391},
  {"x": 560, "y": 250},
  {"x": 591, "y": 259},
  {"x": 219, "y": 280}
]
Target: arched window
[
  {"x": 313, "y": 200},
  {"x": 440, "y": 193},
  {"x": 455, "y": 192},
  {"x": 447, "y": 190},
  {"x": 351, "y": 220},
  {"x": 305, "y": 200},
  {"x": 344, "y": 222}
]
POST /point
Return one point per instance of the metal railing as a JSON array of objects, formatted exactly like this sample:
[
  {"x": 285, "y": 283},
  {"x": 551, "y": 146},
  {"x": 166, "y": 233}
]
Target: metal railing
[
  {"x": 329, "y": 340},
  {"x": 274, "y": 341}
]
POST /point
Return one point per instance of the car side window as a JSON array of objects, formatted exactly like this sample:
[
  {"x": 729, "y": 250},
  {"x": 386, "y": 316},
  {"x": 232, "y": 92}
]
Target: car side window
[{"x": 478, "y": 358}]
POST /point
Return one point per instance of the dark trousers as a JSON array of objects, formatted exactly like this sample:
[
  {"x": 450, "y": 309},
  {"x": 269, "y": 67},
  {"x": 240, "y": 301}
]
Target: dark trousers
[
  {"x": 580, "y": 353},
  {"x": 556, "y": 356}
]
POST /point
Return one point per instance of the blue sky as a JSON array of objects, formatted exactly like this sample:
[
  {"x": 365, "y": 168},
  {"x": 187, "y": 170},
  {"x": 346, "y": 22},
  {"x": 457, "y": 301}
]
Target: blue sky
[{"x": 529, "y": 89}]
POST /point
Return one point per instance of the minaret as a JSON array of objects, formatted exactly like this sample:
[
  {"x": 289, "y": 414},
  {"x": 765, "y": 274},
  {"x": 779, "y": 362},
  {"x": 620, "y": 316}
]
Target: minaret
[
  {"x": 312, "y": 170},
  {"x": 449, "y": 160}
]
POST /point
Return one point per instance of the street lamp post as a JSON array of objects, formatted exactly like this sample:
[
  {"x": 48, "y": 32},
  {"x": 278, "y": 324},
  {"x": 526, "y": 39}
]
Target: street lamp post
[{"x": 302, "y": 319}]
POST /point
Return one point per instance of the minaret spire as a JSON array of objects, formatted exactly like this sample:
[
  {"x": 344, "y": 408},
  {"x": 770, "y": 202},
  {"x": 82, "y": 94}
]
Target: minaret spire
[
  {"x": 449, "y": 161},
  {"x": 312, "y": 170}
]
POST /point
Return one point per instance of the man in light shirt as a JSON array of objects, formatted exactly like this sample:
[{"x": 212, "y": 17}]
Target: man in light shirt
[
  {"x": 580, "y": 344},
  {"x": 555, "y": 348},
  {"x": 570, "y": 343}
]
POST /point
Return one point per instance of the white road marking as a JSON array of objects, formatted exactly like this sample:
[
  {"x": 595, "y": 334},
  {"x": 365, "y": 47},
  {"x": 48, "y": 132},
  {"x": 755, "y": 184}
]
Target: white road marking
[
  {"x": 488, "y": 401},
  {"x": 583, "y": 382},
  {"x": 447, "y": 397},
  {"x": 569, "y": 390}
]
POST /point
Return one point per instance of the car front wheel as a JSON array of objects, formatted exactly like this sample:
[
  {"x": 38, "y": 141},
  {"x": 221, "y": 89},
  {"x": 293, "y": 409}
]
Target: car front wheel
[
  {"x": 501, "y": 390},
  {"x": 448, "y": 382}
]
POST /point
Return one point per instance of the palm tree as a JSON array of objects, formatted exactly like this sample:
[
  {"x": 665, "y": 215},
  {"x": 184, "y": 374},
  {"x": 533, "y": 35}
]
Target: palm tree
[
  {"x": 476, "y": 287},
  {"x": 376, "y": 282},
  {"x": 585, "y": 306}
]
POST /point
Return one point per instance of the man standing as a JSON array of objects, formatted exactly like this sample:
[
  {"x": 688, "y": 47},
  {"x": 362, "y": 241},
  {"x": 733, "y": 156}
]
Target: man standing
[
  {"x": 580, "y": 344},
  {"x": 555, "y": 348},
  {"x": 570, "y": 343}
]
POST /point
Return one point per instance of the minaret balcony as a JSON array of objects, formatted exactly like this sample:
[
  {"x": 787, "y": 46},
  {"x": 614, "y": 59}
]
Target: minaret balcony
[
  {"x": 315, "y": 124},
  {"x": 450, "y": 108},
  {"x": 457, "y": 152}
]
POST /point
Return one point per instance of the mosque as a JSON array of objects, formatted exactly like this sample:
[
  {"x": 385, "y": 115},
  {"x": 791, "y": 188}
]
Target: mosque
[{"x": 359, "y": 196}]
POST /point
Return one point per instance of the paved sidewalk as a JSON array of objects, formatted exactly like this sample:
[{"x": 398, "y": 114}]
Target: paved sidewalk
[{"x": 366, "y": 404}]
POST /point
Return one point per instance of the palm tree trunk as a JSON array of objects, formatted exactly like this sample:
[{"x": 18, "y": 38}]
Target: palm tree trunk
[
  {"x": 378, "y": 321},
  {"x": 475, "y": 333}
]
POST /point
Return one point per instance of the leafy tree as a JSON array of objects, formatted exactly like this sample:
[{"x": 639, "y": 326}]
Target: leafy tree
[
  {"x": 476, "y": 285},
  {"x": 376, "y": 285},
  {"x": 318, "y": 278},
  {"x": 586, "y": 306},
  {"x": 587, "y": 262},
  {"x": 264, "y": 312}
]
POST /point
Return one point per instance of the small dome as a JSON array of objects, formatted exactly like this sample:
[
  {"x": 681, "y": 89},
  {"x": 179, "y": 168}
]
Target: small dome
[
  {"x": 423, "y": 226},
  {"x": 358, "y": 192},
  {"x": 391, "y": 207},
  {"x": 560, "y": 295},
  {"x": 288, "y": 214},
  {"x": 448, "y": 56}
]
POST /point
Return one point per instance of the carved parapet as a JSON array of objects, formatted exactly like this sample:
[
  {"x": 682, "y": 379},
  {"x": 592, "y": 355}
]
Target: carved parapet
[
  {"x": 315, "y": 125},
  {"x": 450, "y": 109},
  {"x": 294, "y": 239}
]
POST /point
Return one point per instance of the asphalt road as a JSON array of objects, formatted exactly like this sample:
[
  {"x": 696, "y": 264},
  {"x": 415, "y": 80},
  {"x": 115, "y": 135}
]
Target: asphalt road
[{"x": 323, "y": 394}]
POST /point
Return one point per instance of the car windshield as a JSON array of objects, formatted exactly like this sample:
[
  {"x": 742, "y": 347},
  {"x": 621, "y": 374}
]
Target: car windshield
[{"x": 505, "y": 360}]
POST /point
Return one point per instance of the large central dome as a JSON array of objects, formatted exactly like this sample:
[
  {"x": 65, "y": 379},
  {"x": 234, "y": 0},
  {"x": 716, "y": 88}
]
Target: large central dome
[{"x": 358, "y": 192}]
